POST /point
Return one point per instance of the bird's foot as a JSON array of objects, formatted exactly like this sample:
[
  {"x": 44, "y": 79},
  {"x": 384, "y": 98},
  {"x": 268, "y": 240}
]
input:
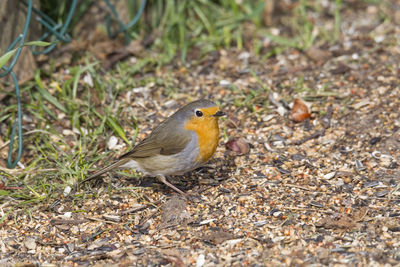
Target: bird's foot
[{"x": 164, "y": 180}]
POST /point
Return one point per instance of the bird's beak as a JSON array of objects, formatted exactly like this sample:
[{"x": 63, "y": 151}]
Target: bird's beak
[{"x": 219, "y": 114}]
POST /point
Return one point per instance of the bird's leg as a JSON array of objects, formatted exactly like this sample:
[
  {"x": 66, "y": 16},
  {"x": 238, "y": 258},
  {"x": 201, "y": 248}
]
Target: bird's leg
[{"x": 164, "y": 180}]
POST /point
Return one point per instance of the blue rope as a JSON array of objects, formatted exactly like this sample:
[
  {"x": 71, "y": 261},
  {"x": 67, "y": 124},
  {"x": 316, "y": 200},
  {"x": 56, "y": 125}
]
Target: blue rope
[
  {"x": 52, "y": 28},
  {"x": 123, "y": 28},
  {"x": 17, "y": 122}
]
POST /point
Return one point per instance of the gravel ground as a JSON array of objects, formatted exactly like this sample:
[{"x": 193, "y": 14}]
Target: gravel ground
[{"x": 322, "y": 191}]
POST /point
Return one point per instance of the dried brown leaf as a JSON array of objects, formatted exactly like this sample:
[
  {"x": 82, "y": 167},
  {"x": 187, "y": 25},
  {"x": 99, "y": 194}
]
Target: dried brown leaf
[
  {"x": 318, "y": 55},
  {"x": 339, "y": 221},
  {"x": 238, "y": 145},
  {"x": 299, "y": 111},
  {"x": 233, "y": 122},
  {"x": 360, "y": 214},
  {"x": 217, "y": 237},
  {"x": 174, "y": 212},
  {"x": 173, "y": 256}
]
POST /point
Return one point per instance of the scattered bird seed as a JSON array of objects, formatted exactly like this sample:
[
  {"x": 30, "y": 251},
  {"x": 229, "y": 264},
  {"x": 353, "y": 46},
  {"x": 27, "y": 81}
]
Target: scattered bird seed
[
  {"x": 271, "y": 212},
  {"x": 382, "y": 193},
  {"x": 316, "y": 204},
  {"x": 224, "y": 190},
  {"x": 329, "y": 176},
  {"x": 113, "y": 218},
  {"x": 297, "y": 157},
  {"x": 260, "y": 223},
  {"x": 359, "y": 165},
  {"x": 375, "y": 140},
  {"x": 345, "y": 149},
  {"x": 207, "y": 221},
  {"x": 376, "y": 154},
  {"x": 371, "y": 184},
  {"x": 284, "y": 171},
  {"x": 139, "y": 251},
  {"x": 394, "y": 229}
]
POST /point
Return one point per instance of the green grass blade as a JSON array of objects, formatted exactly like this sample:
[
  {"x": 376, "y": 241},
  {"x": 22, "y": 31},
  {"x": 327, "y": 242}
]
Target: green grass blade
[
  {"x": 46, "y": 95},
  {"x": 6, "y": 57},
  {"x": 114, "y": 125},
  {"x": 4, "y": 193},
  {"x": 37, "y": 43}
]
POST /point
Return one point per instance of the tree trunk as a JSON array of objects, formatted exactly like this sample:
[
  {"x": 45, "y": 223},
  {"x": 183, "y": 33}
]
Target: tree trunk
[{"x": 13, "y": 16}]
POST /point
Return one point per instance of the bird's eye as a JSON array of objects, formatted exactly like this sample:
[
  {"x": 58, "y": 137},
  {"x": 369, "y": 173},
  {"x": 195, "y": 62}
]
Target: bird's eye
[{"x": 198, "y": 113}]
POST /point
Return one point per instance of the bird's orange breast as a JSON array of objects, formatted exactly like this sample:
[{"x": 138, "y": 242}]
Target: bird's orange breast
[{"x": 207, "y": 131}]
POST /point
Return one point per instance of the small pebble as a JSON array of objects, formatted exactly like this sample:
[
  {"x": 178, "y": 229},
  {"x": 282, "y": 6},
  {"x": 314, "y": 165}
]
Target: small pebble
[
  {"x": 224, "y": 83},
  {"x": 67, "y": 190},
  {"x": 201, "y": 259},
  {"x": 112, "y": 142},
  {"x": 30, "y": 243},
  {"x": 88, "y": 79},
  {"x": 207, "y": 221},
  {"x": 329, "y": 176},
  {"x": 66, "y": 215}
]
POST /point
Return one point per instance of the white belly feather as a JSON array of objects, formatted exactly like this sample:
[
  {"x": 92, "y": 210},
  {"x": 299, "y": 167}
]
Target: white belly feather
[{"x": 184, "y": 161}]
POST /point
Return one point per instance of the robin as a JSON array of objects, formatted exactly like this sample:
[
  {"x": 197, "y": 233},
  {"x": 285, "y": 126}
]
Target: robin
[{"x": 181, "y": 143}]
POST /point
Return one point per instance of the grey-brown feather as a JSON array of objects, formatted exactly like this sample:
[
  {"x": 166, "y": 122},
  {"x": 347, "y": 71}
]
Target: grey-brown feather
[
  {"x": 106, "y": 169},
  {"x": 161, "y": 141}
]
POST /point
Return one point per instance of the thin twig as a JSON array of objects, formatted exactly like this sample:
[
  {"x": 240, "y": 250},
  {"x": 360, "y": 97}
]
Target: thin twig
[
  {"x": 307, "y": 209},
  {"x": 63, "y": 221},
  {"x": 21, "y": 171},
  {"x": 298, "y": 186},
  {"x": 100, "y": 220},
  {"x": 135, "y": 209},
  {"x": 312, "y": 136}
]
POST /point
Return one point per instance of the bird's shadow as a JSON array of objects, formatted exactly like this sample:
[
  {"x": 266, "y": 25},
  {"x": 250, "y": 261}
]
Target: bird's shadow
[
  {"x": 186, "y": 182},
  {"x": 196, "y": 181}
]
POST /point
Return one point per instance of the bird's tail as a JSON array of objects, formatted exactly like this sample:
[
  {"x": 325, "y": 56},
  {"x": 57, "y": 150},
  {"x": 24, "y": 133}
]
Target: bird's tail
[{"x": 106, "y": 169}]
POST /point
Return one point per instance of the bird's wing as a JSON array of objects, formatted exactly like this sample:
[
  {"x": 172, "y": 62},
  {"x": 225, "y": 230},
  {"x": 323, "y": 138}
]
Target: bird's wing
[{"x": 160, "y": 142}]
